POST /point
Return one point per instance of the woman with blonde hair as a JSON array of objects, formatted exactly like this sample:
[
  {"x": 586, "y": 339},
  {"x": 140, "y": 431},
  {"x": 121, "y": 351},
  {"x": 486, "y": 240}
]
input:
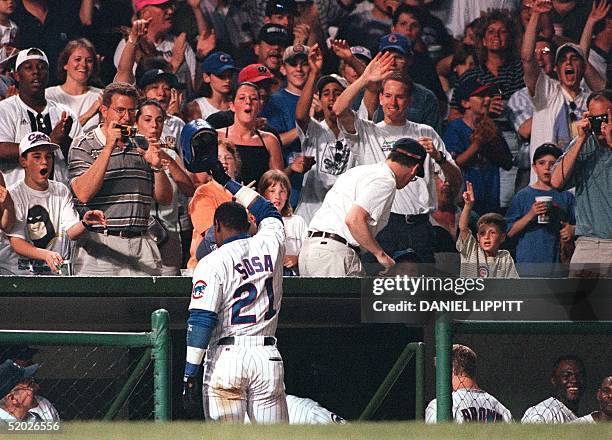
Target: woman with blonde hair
[
  {"x": 275, "y": 186},
  {"x": 76, "y": 67}
]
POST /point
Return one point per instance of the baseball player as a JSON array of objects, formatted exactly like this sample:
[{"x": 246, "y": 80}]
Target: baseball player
[
  {"x": 304, "y": 411},
  {"x": 235, "y": 300},
  {"x": 604, "y": 397},
  {"x": 567, "y": 379},
  {"x": 470, "y": 403}
]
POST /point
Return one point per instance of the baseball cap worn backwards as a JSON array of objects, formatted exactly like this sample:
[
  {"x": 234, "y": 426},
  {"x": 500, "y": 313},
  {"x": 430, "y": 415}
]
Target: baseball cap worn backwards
[
  {"x": 11, "y": 374},
  {"x": 274, "y": 34},
  {"x": 154, "y": 75},
  {"x": 396, "y": 42},
  {"x": 35, "y": 139},
  {"x": 326, "y": 79},
  {"x": 411, "y": 148},
  {"x": 33, "y": 53},
  {"x": 218, "y": 62},
  {"x": 298, "y": 50},
  {"x": 254, "y": 73}
]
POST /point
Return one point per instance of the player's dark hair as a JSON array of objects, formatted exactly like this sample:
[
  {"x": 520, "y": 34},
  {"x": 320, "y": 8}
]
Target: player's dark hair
[
  {"x": 568, "y": 358},
  {"x": 601, "y": 95},
  {"x": 118, "y": 88},
  {"x": 402, "y": 159},
  {"x": 400, "y": 77},
  {"x": 232, "y": 215},
  {"x": 493, "y": 218},
  {"x": 464, "y": 361}
]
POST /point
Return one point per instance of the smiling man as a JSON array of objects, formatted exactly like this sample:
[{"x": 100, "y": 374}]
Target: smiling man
[{"x": 568, "y": 381}]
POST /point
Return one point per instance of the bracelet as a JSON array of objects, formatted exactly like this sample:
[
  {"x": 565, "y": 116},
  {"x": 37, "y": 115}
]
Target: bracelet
[
  {"x": 157, "y": 170},
  {"x": 85, "y": 225}
]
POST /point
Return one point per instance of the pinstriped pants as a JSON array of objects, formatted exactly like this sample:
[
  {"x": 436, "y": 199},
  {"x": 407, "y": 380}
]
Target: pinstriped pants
[{"x": 244, "y": 379}]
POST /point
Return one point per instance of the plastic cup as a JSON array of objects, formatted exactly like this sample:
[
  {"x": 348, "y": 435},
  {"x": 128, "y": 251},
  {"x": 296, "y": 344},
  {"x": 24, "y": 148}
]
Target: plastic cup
[{"x": 544, "y": 218}]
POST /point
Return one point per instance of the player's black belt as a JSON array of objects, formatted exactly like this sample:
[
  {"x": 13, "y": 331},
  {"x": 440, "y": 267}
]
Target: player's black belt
[
  {"x": 410, "y": 219},
  {"x": 123, "y": 233},
  {"x": 332, "y": 236},
  {"x": 230, "y": 340}
]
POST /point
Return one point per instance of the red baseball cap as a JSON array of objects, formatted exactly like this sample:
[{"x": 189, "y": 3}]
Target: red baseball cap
[
  {"x": 139, "y": 4},
  {"x": 254, "y": 73}
]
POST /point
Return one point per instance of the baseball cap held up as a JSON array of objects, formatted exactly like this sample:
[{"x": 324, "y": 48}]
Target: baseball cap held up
[{"x": 411, "y": 148}]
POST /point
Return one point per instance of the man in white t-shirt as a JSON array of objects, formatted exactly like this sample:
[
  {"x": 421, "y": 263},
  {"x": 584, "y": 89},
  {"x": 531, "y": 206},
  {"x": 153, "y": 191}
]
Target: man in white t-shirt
[
  {"x": 408, "y": 225},
  {"x": 559, "y": 103},
  {"x": 470, "y": 402},
  {"x": 29, "y": 111},
  {"x": 604, "y": 397},
  {"x": 354, "y": 210},
  {"x": 568, "y": 380}
]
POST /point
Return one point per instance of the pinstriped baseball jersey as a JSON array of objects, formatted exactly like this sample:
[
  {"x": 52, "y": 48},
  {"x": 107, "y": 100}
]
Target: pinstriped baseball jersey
[
  {"x": 242, "y": 282},
  {"x": 45, "y": 409},
  {"x": 472, "y": 405},
  {"x": 550, "y": 410},
  {"x": 303, "y": 411}
]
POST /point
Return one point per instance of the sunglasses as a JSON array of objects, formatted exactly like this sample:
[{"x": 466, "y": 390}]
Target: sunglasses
[{"x": 572, "y": 115}]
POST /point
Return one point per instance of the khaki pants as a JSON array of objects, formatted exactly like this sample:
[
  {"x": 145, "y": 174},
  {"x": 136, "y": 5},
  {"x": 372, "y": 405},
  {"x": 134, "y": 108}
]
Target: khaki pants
[
  {"x": 109, "y": 255},
  {"x": 592, "y": 258},
  {"x": 323, "y": 257}
]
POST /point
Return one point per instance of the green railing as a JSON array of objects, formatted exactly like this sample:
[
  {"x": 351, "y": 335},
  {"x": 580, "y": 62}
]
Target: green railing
[
  {"x": 157, "y": 349},
  {"x": 445, "y": 329},
  {"x": 416, "y": 349}
]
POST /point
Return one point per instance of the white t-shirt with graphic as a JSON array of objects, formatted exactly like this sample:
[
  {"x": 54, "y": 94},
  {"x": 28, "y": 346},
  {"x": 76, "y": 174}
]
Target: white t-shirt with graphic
[{"x": 42, "y": 219}]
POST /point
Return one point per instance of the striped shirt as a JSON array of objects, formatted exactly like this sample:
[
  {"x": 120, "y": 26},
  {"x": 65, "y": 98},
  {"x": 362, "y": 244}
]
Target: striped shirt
[
  {"x": 127, "y": 190},
  {"x": 509, "y": 79}
]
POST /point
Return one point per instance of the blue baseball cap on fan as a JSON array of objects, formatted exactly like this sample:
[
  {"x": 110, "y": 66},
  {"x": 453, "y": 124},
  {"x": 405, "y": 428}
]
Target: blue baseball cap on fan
[
  {"x": 217, "y": 63},
  {"x": 396, "y": 42}
]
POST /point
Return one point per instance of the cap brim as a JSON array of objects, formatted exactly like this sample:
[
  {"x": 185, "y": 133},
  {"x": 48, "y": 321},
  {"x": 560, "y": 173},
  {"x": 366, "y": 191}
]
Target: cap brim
[
  {"x": 222, "y": 70},
  {"x": 399, "y": 49},
  {"x": 30, "y": 370},
  {"x": 277, "y": 40}
]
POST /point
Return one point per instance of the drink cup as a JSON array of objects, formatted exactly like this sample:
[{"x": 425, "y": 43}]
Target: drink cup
[{"x": 544, "y": 218}]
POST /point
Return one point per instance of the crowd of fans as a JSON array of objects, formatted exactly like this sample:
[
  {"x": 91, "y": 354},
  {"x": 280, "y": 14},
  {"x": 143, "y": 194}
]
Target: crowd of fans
[{"x": 508, "y": 100}]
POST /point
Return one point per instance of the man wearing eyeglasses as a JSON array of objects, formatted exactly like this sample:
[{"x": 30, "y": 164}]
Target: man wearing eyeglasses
[
  {"x": 110, "y": 171},
  {"x": 28, "y": 112},
  {"x": 17, "y": 392}
]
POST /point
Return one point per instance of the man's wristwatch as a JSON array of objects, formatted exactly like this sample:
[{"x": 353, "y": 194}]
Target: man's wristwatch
[{"x": 442, "y": 159}]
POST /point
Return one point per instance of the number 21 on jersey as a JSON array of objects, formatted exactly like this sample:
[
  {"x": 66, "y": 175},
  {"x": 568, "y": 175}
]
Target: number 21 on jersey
[{"x": 241, "y": 303}]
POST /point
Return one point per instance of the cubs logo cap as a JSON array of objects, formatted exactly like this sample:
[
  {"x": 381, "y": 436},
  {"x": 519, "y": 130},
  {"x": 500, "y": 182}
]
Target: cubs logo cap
[
  {"x": 281, "y": 7},
  {"x": 254, "y": 73},
  {"x": 396, "y": 42},
  {"x": 298, "y": 50},
  {"x": 218, "y": 62},
  {"x": 140, "y": 4},
  {"x": 11, "y": 374},
  {"x": 362, "y": 52},
  {"x": 33, "y": 53},
  {"x": 326, "y": 79},
  {"x": 411, "y": 148},
  {"x": 275, "y": 34},
  {"x": 155, "y": 75},
  {"x": 35, "y": 139}
]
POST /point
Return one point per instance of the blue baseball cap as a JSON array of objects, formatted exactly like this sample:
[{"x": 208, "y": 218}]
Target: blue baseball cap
[
  {"x": 397, "y": 42},
  {"x": 11, "y": 374},
  {"x": 218, "y": 62}
]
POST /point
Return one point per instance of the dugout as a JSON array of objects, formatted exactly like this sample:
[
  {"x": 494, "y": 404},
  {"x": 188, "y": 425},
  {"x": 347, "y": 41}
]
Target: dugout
[{"x": 330, "y": 356}]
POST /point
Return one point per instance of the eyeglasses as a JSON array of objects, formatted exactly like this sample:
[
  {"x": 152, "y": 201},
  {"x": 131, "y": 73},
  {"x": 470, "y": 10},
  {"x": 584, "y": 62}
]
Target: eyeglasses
[
  {"x": 573, "y": 116},
  {"x": 121, "y": 111}
]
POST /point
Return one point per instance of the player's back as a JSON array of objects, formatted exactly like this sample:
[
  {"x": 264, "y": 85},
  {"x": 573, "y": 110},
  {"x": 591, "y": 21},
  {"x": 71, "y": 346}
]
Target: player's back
[
  {"x": 246, "y": 275},
  {"x": 472, "y": 405}
]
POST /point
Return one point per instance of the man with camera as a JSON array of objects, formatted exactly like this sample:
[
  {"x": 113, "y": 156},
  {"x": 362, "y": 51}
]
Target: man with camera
[
  {"x": 587, "y": 165},
  {"x": 110, "y": 170}
]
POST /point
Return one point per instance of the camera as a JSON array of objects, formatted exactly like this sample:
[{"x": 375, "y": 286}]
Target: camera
[
  {"x": 596, "y": 122},
  {"x": 127, "y": 131}
]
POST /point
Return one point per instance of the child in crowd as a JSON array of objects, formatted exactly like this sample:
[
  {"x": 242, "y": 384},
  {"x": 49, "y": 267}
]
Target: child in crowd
[
  {"x": 275, "y": 186},
  {"x": 8, "y": 31},
  {"x": 537, "y": 251},
  {"x": 482, "y": 258},
  {"x": 44, "y": 210}
]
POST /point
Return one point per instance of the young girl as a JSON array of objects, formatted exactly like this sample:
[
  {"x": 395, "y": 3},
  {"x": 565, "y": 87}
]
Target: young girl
[{"x": 275, "y": 186}]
